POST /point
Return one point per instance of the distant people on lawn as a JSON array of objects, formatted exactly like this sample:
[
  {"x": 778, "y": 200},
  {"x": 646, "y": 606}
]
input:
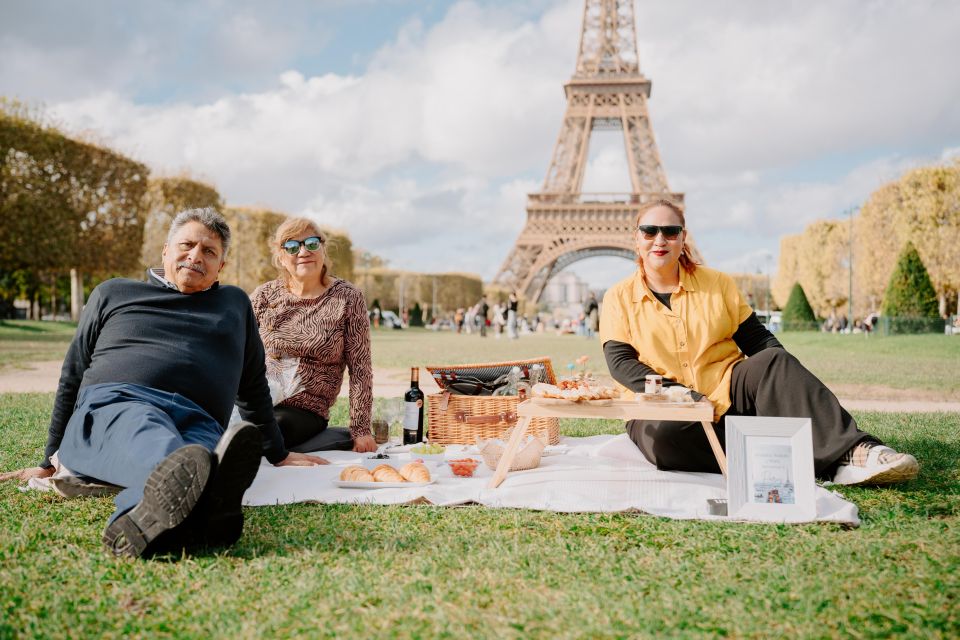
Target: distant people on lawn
[
  {"x": 591, "y": 311},
  {"x": 498, "y": 321},
  {"x": 689, "y": 323},
  {"x": 482, "y": 310},
  {"x": 513, "y": 304},
  {"x": 308, "y": 315},
  {"x": 147, "y": 389}
]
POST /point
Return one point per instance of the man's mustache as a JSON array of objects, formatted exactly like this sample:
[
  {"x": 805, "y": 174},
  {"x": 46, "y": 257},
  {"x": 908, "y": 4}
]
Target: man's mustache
[{"x": 193, "y": 267}]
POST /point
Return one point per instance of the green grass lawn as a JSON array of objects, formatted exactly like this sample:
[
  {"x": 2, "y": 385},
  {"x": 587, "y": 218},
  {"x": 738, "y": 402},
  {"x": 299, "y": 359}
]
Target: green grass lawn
[
  {"x": 371, "y": 571},
  {"x": 24, "y": 341},
  {"x": 930, "y": 363}
]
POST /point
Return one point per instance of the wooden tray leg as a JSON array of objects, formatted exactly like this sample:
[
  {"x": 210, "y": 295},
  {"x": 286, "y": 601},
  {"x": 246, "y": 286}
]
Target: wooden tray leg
[
  {"x": 715, "y": 445},
  {"x": 510, "y": 453}
]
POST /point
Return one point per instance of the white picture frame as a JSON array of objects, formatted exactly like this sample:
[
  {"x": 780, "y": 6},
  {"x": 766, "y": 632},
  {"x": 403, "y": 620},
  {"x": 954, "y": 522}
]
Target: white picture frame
[{"x": 770, "y": 475}]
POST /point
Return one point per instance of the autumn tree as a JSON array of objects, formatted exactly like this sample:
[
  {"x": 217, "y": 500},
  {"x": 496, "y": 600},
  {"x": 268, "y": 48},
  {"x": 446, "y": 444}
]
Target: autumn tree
[
  {"x": 879, "y": 233},
  {"x": 66, "y": 205},
  {"x": 754, "y": 287},
  {"x": 822, "y": 266},
  {"x": 449, "y": 290},
  {"x": 165, "y": 198},
  {"x": 787, "y": 270},
  {"x": 249, "y": 261},
  {"x": 931, "y": 207}
]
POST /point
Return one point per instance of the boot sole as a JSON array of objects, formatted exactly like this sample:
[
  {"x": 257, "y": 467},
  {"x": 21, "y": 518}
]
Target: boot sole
[
  {"x": 171, "y": 492},
  {"x": 238, "y": 454}
]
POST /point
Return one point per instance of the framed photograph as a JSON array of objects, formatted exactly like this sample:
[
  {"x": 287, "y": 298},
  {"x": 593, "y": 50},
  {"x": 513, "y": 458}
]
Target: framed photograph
[{"x": 770, "y": 469}]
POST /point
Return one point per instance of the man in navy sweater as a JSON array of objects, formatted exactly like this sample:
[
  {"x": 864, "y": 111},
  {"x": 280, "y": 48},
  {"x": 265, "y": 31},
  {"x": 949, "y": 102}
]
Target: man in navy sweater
[{"x": 146, "y": 391}]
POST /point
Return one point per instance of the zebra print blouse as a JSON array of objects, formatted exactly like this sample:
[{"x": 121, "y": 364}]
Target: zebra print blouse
[{"x": 328, "y": 334}]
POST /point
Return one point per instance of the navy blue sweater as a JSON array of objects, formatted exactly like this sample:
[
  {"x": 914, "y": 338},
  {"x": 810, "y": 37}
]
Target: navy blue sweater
[{"x": 204, "y": 346}]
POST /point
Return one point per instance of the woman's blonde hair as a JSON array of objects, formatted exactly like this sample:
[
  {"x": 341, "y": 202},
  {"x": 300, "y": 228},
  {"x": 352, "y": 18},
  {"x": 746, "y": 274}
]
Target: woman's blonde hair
[
  {"x": 689, "y": 254},
  {"x": 291, "y": 229}
]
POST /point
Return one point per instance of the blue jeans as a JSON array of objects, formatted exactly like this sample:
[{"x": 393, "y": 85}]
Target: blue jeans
[{"x": 118, "y": 433}]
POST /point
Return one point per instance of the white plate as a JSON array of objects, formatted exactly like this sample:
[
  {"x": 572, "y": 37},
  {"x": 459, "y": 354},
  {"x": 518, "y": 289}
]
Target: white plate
[{"x": 346, "y": 484}]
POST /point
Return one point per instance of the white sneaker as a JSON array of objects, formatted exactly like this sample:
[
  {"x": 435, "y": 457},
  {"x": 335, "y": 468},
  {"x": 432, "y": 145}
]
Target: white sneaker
[{"x": 872, "y": 463}]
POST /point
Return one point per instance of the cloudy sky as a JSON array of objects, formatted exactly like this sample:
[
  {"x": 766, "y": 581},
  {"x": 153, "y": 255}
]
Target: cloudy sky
[{"x": 419, "y": 126}]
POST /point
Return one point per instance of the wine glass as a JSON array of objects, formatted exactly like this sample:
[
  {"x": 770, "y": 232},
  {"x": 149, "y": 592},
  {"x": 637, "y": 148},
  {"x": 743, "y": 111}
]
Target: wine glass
[{"x": 393, "y": 414}]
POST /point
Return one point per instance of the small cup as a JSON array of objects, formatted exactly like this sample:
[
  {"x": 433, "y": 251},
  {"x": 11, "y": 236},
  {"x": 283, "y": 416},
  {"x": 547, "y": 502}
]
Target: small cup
[
  {"x": 381, "y": 431},
  {"x": 653, "y": 384}
]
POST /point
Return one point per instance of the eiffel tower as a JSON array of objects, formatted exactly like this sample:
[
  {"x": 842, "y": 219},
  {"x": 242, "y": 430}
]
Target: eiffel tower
[{"x": 607, "y": 92}]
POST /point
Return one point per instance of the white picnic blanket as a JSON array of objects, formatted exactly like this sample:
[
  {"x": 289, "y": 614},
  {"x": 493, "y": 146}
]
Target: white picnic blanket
[{"x": 597, "y": 474}]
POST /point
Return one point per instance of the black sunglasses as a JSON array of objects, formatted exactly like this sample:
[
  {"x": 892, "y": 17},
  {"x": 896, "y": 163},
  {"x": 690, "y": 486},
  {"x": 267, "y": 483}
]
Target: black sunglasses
[
  {"x": 670, "y": 231},
  {"x": 293, "y": 246}
]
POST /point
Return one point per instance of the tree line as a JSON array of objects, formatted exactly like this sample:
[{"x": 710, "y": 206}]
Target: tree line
[
  {"x": 831, "y": 258},
  {"x": 74, "y": 213}
]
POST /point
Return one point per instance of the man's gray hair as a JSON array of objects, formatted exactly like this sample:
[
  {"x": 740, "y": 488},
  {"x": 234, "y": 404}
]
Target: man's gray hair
[{"x": 208, "y": 217}]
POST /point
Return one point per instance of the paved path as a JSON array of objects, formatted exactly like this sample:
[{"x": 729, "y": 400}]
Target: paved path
[{"x": 42, "y": 377}]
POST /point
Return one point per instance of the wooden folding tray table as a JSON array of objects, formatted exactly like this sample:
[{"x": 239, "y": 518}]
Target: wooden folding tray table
[{"x": 701, "y": 412}]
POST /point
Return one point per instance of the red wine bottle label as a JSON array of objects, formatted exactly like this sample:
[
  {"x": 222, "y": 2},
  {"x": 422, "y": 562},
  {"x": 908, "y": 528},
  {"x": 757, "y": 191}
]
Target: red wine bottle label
[{"x": 411, "y": 415}]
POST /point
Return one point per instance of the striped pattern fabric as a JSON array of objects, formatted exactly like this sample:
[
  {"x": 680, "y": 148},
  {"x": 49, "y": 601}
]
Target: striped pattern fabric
[{"x": 329, "y": 334}]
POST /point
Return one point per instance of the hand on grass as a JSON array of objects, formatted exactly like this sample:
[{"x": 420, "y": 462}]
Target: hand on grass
[
  {"x": 301, "y": 460},
  {"x": 363, "y": 444},
  {"x": 24, "y": 475}
]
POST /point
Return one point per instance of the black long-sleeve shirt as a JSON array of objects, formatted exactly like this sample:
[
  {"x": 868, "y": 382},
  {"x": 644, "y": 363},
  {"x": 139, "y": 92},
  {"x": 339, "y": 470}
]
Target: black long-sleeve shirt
[
  {"x": 751, "y": 337},
  {"x": 204, "y": 346}
]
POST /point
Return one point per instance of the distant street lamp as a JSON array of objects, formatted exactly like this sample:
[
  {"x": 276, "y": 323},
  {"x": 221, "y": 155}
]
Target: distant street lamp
[
  {"x": 850, "y": 270},
  {"x": 769, "y": 267}
]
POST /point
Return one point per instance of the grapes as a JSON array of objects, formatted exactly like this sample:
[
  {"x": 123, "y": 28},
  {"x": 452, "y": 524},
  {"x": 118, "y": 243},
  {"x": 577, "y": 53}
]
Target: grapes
[{"x": 428, "y": 449}]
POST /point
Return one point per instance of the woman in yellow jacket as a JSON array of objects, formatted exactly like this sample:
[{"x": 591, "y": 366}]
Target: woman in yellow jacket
[{"x": 689, "y": 323}]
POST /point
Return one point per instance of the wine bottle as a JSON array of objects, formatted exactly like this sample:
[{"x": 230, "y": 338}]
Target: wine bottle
[{"x": 413, "y": 410}]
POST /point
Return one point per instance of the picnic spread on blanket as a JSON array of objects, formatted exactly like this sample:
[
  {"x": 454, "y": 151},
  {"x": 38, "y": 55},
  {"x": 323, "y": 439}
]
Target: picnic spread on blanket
[
  {"x": 604, "y": 473},
  {"x": 494, "y": 440}
]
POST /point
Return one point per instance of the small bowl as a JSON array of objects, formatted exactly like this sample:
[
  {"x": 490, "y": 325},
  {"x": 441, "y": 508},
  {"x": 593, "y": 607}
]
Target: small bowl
[
  {"x": 427, "y": 456},
  {"x": 463, "y": 467}
]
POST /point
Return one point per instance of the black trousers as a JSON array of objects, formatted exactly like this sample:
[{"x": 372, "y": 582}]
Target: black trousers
[
  {"x": 304, "y": 431},
  {"x": 771, "y": 383}
]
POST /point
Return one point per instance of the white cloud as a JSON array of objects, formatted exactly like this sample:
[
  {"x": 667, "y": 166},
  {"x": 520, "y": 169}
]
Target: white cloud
[{"x": 768, "y": 116}]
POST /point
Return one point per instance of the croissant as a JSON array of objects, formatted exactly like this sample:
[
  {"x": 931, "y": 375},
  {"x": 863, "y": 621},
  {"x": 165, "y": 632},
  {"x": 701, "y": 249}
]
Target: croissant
[
  {"x": 386, "y": 473},
  {"x": 415, "y": 472},
  {"x": 356, "y": 474}
]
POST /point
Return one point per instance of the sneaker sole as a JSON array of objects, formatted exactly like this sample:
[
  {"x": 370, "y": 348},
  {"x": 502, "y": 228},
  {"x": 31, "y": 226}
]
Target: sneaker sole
[
  {"x": 171, "y": 492},
  {"x": 238, "y": 454},
  {"x": 900, "y": 471}
]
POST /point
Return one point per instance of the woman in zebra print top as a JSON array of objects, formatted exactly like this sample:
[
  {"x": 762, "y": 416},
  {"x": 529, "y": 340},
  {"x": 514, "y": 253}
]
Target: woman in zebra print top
[{"x": 321, "y": 320}]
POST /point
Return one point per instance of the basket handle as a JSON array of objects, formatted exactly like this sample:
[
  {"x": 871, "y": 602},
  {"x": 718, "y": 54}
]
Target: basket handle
[{"x": 506, "y": 416}]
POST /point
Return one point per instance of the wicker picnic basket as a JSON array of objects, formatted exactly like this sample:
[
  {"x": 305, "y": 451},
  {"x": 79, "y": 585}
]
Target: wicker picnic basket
[{"x": 461, "y": 419}]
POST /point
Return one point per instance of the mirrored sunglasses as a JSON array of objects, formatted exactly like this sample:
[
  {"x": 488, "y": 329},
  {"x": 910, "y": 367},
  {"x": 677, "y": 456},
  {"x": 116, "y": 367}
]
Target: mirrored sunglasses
[
  {"x": 293, "y": 246},
  {"x": 650, "y": 231}
]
